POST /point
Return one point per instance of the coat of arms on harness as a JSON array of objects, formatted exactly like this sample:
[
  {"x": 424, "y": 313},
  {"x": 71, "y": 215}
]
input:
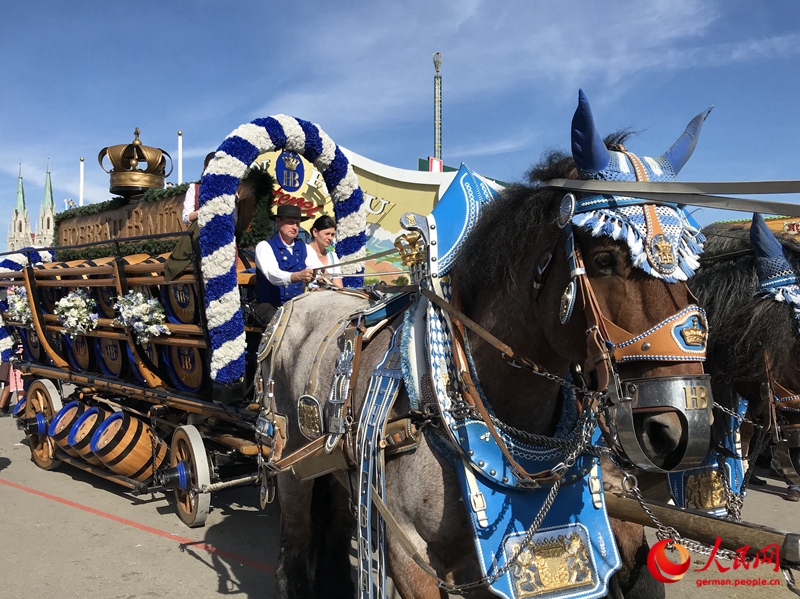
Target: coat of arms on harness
[
  {"x": 551, "y": 564},
  {"x": 705, "y": 491}
]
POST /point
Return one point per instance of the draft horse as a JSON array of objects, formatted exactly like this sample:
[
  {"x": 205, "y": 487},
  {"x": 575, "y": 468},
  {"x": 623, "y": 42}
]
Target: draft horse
[
  {"x": 748, "y": 285},
  {"x": 510, "y": 278}
]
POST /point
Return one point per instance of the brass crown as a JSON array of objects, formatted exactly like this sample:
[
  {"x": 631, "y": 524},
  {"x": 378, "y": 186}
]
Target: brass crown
[
  {"x": 127, "y": 175},
  {"x": 412, "y": 252},
  {"x": 694, "y": 335}
]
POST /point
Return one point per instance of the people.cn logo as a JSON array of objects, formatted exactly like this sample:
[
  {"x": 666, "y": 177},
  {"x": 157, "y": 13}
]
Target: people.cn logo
[{"x": 662, "y": 567}]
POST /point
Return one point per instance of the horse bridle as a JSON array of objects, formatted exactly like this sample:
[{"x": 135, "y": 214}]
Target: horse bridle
[{"x": 678, "y": 338}]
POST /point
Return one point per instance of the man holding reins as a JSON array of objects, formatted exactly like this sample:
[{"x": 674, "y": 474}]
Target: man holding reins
[{"x": 284, "y": 266}]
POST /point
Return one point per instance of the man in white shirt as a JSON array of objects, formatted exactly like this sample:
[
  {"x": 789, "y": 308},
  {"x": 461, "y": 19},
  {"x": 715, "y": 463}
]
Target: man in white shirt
[
  {"x": 191, "y": 201},
  {"x": 284, "y": 266}
]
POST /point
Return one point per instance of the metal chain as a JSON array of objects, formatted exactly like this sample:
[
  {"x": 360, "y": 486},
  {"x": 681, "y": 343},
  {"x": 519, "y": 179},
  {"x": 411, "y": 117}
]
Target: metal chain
[
  {"x": 576, "y": 446},
  {"x": 630, "y": 485},
  {"x": 730, "y": 412},
  {"x": 553, "y": 442},
  {"x": 585, "y": 391}
]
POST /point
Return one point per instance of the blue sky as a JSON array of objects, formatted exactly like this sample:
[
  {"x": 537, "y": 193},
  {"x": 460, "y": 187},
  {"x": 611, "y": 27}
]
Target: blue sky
[{"x": 79, "y": 76}]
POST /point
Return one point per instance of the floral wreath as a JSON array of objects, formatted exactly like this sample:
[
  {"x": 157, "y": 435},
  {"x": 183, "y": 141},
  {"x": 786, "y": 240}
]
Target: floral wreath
[
  {"x": 76, "y": 312},
  {"x": 142, "y": 315},
  {"x": 19, "y": 309},
  {"x": 217, "y": 204}
]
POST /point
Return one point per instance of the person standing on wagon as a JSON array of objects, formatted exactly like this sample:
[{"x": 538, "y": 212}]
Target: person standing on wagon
[{"x": 284, "y": 264}]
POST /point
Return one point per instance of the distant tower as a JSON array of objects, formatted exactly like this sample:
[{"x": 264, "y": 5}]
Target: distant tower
[
  {"x": 437, "y": 107},
  {"x": 19, "y": 235},
  {"x": 46, "y": 226}
]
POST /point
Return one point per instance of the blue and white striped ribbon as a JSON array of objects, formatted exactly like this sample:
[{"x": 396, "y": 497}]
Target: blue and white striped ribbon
[{"x": 217, "y": 204}]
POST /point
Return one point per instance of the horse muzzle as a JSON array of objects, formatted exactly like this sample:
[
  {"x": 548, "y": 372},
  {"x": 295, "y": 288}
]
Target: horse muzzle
[{"x": 662, "y": 424}]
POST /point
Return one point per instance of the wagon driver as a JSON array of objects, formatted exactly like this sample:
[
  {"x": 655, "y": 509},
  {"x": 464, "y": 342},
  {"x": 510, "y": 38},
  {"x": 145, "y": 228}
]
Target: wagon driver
[{"x": 284, "y": 264}]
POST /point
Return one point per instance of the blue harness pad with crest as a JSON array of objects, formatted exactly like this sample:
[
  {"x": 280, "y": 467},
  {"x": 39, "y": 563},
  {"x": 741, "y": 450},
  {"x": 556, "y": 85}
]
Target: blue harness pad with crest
[{"x": 572, "y": 554}]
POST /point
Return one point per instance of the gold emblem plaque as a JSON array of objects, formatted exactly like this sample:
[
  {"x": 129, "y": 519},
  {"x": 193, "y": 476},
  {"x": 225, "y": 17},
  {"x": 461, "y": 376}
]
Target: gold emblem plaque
[{"x": 551, "y": 564}]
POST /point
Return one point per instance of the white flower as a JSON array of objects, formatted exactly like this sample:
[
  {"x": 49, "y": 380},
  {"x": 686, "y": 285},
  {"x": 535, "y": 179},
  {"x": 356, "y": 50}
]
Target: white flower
[
  {"x": 143, "y": 315},
  {"x": 76, "y": 312}
]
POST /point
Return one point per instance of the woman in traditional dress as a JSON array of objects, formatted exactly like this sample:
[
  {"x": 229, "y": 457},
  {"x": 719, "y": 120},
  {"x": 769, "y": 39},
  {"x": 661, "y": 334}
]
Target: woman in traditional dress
[{"x": 323, "y": 232}]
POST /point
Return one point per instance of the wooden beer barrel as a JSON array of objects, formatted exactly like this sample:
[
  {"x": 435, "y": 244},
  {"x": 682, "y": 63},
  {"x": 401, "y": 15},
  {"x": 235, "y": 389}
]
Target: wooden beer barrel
[
  {"x": 80, "y": 437},
  {"x": 125, "y": 445},
  {"x": 30, "y": 344},
  {"x": 105, "y": 297},
  {"x": 79, "y": 352},
  {"x": 19, "y": 408},
  {"x": 62, "y": 424},
  {"x": 110, "y": 356},
  {"x": 180, "y": 303},
  {"x": 152, "y": 353},
  {"x": 185, "y": 366},
  {"x": 48, "y": 296}
]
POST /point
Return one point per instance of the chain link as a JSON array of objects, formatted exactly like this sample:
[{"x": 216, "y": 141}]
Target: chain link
[
  {"x": 630, "y": 485},
  {"x": 730, "y": 412}
]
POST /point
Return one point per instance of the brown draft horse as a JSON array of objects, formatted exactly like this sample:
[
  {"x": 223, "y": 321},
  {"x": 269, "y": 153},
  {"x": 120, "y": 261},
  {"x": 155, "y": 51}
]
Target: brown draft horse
[
  {"x": 494, "y": 281},
  {"x": 748, "y": 328}
]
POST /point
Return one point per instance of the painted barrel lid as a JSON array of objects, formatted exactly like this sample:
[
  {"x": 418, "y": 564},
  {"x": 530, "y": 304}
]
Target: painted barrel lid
[
  {"x": 106, "y": 431},
  {"x": 30, "y": 344},
  {"x": 110, "y": 356},
  {"x": 180, "y": 303},
  {"x": 79, "y": 352},
  {"x": 83, "y": 425},
  {"x": 60, "y": 421},
  {"x": 106, "y": 300},
  {"x": 184, "y": 366}
]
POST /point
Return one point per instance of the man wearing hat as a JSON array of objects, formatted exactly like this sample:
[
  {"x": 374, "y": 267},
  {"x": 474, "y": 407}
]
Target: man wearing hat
[{"x": 283, "y": 266}]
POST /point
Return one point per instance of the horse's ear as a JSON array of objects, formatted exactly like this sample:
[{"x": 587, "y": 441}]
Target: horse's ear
[
  {"x": 765, "y": 245},
  {"x": 682, "y": 150},
  {"x": 588, "y": 150}
]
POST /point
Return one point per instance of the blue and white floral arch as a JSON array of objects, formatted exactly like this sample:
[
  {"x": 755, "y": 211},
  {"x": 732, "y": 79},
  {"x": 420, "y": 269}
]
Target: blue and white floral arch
[{"x": 217, "y": 203}]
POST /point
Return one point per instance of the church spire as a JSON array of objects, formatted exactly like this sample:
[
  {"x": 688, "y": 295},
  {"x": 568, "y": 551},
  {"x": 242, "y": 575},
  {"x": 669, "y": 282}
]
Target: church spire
[
  {"x": 20, "y": 205},
  {"x": 47, "y": 202}
]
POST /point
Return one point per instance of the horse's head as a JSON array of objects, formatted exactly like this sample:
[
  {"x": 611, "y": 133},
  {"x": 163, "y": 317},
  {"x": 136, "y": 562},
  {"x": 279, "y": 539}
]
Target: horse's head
[{"x": 614, "y": 270}]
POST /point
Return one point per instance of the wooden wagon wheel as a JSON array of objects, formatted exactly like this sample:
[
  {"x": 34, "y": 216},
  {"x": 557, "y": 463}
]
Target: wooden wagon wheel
[
  {"x": 187, "y": 447},
  {"x": 42, "y": 403}
]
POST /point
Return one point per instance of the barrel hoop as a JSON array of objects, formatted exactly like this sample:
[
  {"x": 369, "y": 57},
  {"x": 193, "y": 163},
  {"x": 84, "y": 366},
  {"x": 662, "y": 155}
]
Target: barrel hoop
[
  {"x": 59, "y": 417},
  {"x": 148, "y": 464},
  {"x": 127, "y": 451},
  {"x": 73, "y": 433},
  {"x": 101, "y": 451}
]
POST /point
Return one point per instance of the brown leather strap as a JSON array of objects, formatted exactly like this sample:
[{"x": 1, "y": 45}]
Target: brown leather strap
[
  {"x": 402, "y": 538},
  {"x": 311, "y": 385},
  {"x": 306, "y": 451},
  {"x": 474, "y": 399}
]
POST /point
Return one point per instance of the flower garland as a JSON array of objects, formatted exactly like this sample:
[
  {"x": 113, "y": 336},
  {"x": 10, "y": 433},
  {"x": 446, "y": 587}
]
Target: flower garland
[
  {"x": 144, "y": 317},
  {"x": 76, "y": 312},
  {"x": 217, "y": 204},
  {"x": 19, "y": 309}
]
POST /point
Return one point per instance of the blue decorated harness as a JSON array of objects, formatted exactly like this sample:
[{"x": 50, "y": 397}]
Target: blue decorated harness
[{"x": 535, "y": 504}]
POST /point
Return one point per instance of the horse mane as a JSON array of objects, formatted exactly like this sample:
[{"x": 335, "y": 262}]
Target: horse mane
[
  {"x": 495, "y": 250},
  {"x": 743, "y": 325}
]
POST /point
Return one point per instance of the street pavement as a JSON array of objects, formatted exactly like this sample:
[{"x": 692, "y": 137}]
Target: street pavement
[{"x": 68, "y": 534}]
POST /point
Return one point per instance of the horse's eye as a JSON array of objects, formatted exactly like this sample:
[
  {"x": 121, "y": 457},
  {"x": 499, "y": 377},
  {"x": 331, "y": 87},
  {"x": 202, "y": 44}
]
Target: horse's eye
[{"x": 604, "y": 261}]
